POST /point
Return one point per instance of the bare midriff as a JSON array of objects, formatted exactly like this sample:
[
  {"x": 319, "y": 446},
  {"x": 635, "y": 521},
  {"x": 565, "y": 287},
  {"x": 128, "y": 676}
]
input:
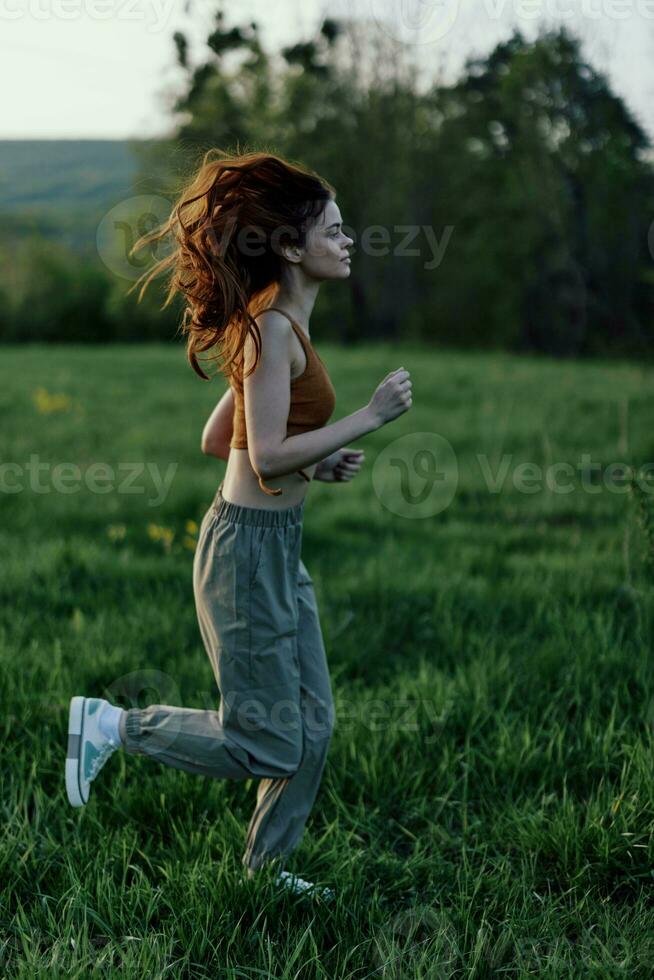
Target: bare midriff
[{"x": 241, "y": 484}]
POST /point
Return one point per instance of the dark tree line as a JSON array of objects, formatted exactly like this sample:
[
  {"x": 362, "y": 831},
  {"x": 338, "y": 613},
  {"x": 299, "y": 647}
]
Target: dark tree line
[{"x": 514, "y": 205}]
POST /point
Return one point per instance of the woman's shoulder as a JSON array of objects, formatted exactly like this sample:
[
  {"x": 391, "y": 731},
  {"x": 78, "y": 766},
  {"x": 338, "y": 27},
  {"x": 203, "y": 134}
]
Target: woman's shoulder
[
  {"x": 275, "y": 332},
  {"x": 276, "y": 319},
  {"x": 275, "y": 325}
]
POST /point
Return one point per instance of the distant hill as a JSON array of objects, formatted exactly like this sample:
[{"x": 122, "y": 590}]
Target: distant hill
[
  {"x": 61, "y": 188},
  {"x": 60, "y": 173}
]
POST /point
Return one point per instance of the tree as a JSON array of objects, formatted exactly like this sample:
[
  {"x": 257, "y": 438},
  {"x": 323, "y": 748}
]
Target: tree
[
  {"x": 532, "y": 174},
  {"x": 556, "y": 180}
]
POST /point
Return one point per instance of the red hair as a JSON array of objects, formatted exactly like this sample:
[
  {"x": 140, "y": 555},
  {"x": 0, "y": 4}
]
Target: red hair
[{"x": 229, "y": 224}]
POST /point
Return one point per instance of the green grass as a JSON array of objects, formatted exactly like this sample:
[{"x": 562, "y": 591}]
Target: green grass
[{"x": 486, "y": 809}]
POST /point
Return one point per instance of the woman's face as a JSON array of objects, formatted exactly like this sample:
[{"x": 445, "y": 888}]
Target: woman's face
[{"x": 325, "y": 255}]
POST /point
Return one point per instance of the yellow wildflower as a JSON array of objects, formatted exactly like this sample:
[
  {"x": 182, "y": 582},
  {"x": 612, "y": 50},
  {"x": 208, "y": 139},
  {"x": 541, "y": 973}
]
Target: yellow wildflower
[
  {"x": 77, "y": 620},
  {"x": 47, "y": 402},
  {"x": 116, "y": 532},
  {"x": 158, "y": 533}
]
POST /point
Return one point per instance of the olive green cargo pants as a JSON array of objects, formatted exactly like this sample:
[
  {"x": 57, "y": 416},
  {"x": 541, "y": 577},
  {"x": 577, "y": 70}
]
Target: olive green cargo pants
[{"x": 259, "y": 622}]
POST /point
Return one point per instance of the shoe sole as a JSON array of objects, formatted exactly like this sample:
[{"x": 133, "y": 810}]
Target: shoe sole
[{"x": 74, "y": 752}]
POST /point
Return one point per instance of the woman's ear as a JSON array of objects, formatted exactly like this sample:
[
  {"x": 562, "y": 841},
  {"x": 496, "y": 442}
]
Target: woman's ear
[{"x": 292, "y": 253}]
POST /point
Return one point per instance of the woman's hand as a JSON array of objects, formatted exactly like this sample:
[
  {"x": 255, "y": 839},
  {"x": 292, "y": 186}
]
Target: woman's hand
[
  {"x": 392, "y": 397},
  {"x": 339, "y": 466}
]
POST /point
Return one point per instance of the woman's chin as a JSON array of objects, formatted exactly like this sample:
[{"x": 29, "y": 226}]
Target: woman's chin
[{"x": 342, "y": 271}]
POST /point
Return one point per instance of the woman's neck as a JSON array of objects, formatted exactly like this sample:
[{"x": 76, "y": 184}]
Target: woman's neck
[{"x": 300, "y": 308}]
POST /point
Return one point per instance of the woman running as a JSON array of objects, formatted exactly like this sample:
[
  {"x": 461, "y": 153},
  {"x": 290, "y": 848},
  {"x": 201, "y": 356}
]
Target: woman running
[{"x": 255, "y": 236}]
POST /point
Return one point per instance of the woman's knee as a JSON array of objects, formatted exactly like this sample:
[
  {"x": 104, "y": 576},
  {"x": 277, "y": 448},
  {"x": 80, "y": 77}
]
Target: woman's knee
[{"x": 282, "y": 757}]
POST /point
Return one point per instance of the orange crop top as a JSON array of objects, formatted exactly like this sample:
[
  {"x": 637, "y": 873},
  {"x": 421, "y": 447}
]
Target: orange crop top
[{"x": 313, "y": 400}]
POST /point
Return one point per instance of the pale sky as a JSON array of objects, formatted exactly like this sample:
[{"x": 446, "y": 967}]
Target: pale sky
[{"x": 99, "y": 68}]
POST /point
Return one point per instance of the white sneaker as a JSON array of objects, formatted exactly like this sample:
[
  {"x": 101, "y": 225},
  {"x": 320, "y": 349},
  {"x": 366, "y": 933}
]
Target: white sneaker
[
  {"x": 299, "y": 885},
  {"x": 88, "y": 747}
]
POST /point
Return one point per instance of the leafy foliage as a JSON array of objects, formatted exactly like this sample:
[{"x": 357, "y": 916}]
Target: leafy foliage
[{"x": 510, "y": 209}]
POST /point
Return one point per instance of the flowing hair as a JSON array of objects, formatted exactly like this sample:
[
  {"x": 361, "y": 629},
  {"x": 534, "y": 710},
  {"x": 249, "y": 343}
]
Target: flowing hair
[{"x": 226, "y": 229}]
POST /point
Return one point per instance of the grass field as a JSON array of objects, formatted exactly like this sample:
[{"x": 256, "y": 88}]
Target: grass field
[{"x": 487, "y": 805}]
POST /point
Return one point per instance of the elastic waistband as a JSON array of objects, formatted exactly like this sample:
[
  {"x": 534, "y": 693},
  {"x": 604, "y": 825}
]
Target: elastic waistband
[{"x": 256, "y": 515}]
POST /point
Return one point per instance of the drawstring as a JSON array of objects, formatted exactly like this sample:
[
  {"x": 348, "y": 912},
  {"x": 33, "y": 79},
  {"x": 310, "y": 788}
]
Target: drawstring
[
  {"x": 271, "y": 493},
  {"x": 275, "y": 493}
]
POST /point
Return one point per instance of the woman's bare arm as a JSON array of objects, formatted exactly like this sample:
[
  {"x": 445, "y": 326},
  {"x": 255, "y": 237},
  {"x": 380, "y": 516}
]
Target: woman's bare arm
[
  {"x": 218, "y": 430},
  {"x": 306, "y": 448},
  {"x": 267, "y": 404}
]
